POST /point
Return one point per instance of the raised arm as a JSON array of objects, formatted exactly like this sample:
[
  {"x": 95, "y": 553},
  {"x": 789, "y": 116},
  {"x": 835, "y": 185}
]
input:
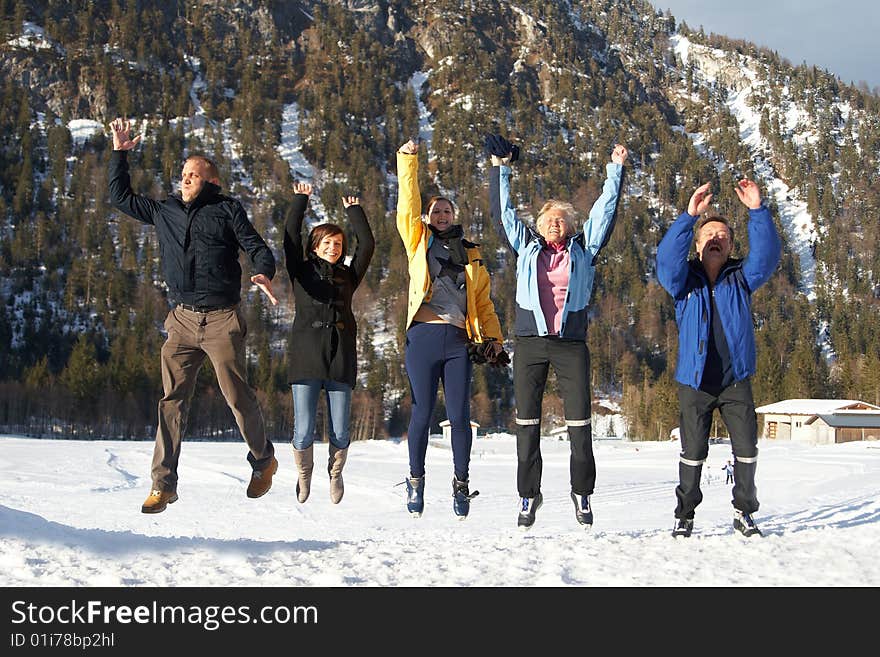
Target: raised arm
[
  {"x": 765, "y": 247},
  {"x": 366, "y": 244},
  {"x": 507, "y": 224},
  {"x": 603, "y": 214},
  {"x": 294, "y": 254},
  {"x": 672, "y": 252},
  {"x": 119, "y": 183},
  {"x": 409, "y": 201}
]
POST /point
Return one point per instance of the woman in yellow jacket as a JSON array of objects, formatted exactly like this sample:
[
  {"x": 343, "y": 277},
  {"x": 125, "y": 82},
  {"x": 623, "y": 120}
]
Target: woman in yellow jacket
[{"x": 448, "y": 307}]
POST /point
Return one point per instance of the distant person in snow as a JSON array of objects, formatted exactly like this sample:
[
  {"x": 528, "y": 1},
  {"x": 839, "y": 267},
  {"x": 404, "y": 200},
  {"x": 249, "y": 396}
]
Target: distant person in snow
[
  {"x": 555, "y": 268},
  {"x": 707, "y": 474},
  {"x": 322, "y": 349},
  {"x": 200, "y": 232},
  {"x": 450, "y": 319},
  {"x": 716, "y": 353},
  {"x": 728, "y": 473}
]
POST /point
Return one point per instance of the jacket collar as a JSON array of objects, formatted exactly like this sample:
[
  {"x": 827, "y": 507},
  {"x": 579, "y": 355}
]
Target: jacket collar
[
  {"x": 324, "y": 268},
  {"x": 568, "y": 240},
  {"x": 209, "y": 192},
  {"x": 696, "y": 266}
]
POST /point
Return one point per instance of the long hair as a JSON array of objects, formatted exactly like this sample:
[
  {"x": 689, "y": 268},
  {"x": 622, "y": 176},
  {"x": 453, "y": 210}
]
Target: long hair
[{"x": 321, "y": 231}]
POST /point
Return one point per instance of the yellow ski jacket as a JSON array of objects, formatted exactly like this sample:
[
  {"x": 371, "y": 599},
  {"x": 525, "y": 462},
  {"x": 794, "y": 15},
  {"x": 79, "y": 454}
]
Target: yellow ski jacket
[{"x": 482, "y": 322}]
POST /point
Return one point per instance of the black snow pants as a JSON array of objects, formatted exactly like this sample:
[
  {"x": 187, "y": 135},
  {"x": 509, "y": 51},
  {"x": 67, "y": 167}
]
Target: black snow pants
[
  {"x": 570, "y": 359},
  {"x": 737, "y": 409}
]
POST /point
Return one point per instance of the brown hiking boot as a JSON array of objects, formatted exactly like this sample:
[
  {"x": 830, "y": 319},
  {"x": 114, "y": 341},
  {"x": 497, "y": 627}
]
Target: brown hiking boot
[
  {"x": 261, "y": 480},
  {"x": 158, "y": 500}
]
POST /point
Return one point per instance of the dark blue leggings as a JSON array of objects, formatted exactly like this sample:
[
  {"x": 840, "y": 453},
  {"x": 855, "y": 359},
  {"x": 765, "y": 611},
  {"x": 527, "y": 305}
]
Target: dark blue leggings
[{"x": 434, "y": 353}]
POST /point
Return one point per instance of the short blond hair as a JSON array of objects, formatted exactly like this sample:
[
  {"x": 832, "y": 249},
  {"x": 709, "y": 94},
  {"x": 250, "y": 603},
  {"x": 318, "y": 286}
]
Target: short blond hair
[
  {"x": 569, "y": 214},
  {"x": 213, "y": 171}
]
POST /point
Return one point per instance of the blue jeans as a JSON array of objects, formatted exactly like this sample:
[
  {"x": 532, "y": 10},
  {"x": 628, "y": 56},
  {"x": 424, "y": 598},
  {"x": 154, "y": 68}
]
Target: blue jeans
[{"x": 305, "y": 410}]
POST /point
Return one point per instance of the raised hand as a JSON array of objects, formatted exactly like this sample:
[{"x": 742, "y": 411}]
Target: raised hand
[
  {"x": 619, "y": 154},
  {"x": 262, "y": 281},
  {"x": 350, "y": 200},
  {"x": 302, "y": 188},
  {"x": 700, "y": 200},
  {"x": 749, "y": 193},
  {"x": 500, "y": 150},
  {"x": 410, "y": 148},
  {"x": 121, "y": 139}
]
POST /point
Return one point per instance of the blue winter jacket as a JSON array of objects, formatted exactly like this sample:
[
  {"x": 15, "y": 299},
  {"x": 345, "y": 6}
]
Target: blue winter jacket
[
  {"x": 686, "y": 281},
  {"x": 583, "y": 249}
]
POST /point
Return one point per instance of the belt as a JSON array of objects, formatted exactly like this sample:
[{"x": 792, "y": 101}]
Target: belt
[
  {"x": 205, "y": 309},
  {"x": 319, "y": 324}
]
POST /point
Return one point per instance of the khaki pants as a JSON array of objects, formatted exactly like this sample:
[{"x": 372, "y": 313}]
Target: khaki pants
[{"x": 192, "y": 336}]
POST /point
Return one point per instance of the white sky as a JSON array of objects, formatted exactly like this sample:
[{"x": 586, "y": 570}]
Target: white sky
[
  {"x": 819, "y": 512},
  {"x": 839, "y": 36}
]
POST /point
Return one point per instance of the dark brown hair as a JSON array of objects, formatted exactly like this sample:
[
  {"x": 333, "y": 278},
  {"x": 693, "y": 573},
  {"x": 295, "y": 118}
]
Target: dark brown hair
[
  {"x": 434, "y": 199},
  {"x": 321, "y": 231}
]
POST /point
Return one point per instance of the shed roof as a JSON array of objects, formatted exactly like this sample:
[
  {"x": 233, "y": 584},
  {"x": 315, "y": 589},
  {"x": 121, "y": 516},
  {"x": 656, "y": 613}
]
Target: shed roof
[
  {"x": 849, "y": 420},
  {"x": 815, "y": 406}
]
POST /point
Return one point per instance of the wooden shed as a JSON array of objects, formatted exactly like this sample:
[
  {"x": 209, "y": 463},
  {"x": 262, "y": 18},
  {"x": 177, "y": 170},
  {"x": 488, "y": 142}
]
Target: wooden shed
[{"x": 820, "y": 421}]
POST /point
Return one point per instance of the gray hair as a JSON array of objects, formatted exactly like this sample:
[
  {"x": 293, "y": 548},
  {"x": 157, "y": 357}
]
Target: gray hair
[{"x": 568, "y": 212}]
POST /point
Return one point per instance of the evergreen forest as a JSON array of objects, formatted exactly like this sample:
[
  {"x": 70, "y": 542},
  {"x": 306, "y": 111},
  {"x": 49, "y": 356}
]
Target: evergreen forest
[{"x": 82, "y": 300}]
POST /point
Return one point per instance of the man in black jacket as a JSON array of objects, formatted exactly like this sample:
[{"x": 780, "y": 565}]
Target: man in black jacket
[{"x": 200, "y": 233}]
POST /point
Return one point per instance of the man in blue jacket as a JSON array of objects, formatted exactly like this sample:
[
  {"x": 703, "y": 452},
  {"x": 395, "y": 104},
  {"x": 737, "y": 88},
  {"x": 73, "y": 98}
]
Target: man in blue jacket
[
  {"x": 716, "y": 355},
  {"x": 200, "y": 232}
]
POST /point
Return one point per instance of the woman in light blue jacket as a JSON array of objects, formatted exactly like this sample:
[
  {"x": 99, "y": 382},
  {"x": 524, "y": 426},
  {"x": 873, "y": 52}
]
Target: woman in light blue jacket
[{"x": 554, "y": 275}]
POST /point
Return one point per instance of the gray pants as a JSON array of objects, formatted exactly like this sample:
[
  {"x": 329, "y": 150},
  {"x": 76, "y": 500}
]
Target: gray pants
[{"x": 192, "y": 336}]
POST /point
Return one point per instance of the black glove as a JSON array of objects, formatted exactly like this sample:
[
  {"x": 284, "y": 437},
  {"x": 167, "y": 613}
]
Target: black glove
[
  {"x": 499, "y": 146},
  {"x": 482, "y": 353},
  {"x": 475, "y": 352},
  {"x": 501, "y": 359}
]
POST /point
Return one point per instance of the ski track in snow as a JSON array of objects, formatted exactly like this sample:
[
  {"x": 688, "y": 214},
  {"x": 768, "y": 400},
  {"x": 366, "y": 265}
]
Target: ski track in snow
[{"x": 70, "y": 516}]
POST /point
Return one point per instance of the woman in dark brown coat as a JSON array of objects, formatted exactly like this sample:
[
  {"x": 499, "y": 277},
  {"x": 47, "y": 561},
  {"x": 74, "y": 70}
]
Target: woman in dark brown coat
[{"x": 323, "y": 338}]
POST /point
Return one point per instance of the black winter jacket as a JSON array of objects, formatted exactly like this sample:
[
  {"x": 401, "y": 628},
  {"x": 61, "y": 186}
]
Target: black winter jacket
[
  {"x": 323, "y": 338},
  {"x": 199, "y": 242}
]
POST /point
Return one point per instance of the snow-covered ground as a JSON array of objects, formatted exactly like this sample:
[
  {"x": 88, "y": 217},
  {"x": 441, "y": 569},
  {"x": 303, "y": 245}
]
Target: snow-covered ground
[
  {"x": 70, "y": 516},
  {"x": 82, "y": 129}
]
